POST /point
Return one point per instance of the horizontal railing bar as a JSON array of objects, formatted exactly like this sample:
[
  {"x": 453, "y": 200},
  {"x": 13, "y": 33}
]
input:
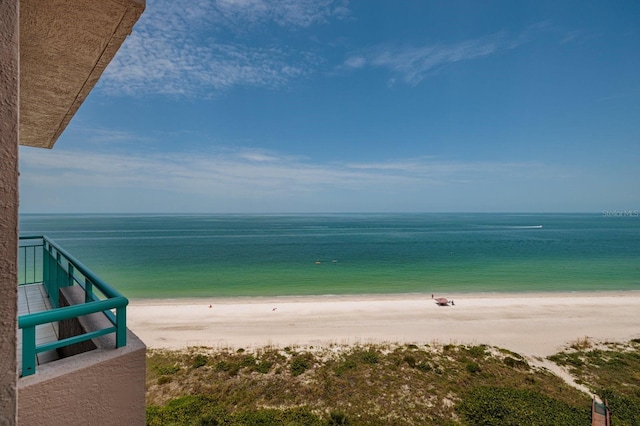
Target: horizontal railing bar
[
  {"x": 69, "y": 312},
  {"x": 73, "y": 340}
]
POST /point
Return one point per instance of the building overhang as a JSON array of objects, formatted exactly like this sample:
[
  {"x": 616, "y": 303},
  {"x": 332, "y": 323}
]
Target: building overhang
[{"x": 65, "y": 45}]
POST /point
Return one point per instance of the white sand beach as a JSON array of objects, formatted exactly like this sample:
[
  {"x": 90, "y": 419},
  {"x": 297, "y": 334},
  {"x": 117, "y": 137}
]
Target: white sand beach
[{"x": 531, "y": 324}]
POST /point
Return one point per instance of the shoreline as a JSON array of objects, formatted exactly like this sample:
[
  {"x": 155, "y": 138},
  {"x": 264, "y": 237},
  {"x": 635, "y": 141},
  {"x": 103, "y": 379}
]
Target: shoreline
[
  {"x": 141, "y": 301},
  {"x": 532, "y": 324}
]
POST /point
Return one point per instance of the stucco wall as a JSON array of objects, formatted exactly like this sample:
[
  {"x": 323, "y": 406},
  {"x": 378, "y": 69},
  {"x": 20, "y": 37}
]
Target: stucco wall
[
  {"x": 100, "y": 387},
  {"x": 9, "y": 116}
]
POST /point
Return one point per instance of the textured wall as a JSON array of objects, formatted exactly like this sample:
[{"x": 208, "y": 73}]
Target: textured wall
[
  {"x": 100, "y": 387},
  {"x": 9, "y": 116}
]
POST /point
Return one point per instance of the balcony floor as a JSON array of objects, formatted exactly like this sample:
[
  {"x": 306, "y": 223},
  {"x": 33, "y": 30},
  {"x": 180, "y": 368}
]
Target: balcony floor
[{"x": 33, "y": 298}]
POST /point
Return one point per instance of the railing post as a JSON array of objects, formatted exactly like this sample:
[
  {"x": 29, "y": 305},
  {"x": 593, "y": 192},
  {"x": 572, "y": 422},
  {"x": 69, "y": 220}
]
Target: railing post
[
  {"x": 88, "y": 290},
  {"x": 46, "y": 265},
  {"x": 35, "y": 278},
  {"x": 24, "y": 250},
  {"x": 28, "y": 351},
  {"x": 52, "y": 271},
  {"x": 61, "y": 276},
  {"x": 121, "y": 327},
  {"x": 69, "y": 275}
]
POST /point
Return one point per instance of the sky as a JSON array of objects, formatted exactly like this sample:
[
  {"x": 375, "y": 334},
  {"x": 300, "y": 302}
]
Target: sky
[{"x": 317, "y": 106}]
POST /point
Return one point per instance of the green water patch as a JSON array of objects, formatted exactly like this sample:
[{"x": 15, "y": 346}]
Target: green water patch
[{"x": 174, "y": 281}]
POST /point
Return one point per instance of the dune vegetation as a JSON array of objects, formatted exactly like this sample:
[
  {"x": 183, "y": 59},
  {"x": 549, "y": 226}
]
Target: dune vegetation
[{"x": 387, "y": 384}]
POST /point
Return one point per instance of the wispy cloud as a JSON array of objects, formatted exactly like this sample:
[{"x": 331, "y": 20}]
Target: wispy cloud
[
  {"x": 254, "y": 173},
  {"x": 299, "y": 13},
  {"x": 101, "y": 136},
  {"x": 186, "y": 48},
  {"x": 413, "y": 64},
  {"x": 579, "y": 36}
]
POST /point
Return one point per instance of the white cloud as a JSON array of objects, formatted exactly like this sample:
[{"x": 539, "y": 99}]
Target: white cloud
[
  {"x": 414, "y": 64},
  {"x": 187, "y": 48},
  {"x": 297, "y": 13},
  {"x": 255, "y": 174},
  {"x": 355, "y": 62}
]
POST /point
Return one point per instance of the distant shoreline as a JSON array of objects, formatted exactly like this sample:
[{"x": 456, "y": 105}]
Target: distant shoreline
[
  {"x": 533, "y": 324},
  {"x": 380, "y": 296}
]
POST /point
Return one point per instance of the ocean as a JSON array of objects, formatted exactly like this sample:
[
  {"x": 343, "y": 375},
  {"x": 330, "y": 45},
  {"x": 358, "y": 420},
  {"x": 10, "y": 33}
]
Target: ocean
[{"x": 177, "y": 256}]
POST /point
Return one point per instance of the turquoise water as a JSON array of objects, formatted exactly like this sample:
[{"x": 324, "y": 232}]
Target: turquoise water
[{"x": 170, "y": 256}]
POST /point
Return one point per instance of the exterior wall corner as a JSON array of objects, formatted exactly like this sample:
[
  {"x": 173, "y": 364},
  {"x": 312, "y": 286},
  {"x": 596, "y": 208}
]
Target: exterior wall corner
[{"x": 9, "y": 120}]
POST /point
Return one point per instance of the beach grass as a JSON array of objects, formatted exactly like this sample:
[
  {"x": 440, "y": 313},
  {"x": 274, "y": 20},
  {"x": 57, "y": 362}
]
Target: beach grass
[
  {"x": 386, "y": 384},
  {"x": 609, "y": 369}
]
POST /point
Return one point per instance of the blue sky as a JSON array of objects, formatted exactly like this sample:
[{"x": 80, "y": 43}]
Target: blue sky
[{"x": 287, "y": 106}]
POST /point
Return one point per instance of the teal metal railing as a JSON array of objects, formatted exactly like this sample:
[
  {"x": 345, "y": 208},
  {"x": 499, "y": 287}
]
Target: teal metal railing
[{"x": 41, "y": 260}]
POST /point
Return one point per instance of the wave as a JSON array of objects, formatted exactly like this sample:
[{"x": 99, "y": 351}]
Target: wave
[{"x": 510, "y": 226}]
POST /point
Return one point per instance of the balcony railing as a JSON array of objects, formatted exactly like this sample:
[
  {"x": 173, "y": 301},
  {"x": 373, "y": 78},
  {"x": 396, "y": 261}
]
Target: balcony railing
[{"x": 43, "y": 261}]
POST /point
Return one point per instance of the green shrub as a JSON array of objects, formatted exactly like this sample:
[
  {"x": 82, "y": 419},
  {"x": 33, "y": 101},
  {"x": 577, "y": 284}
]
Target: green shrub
[
  {"x": 199, "y": 360},
  {"x": 263, "y": 367},
  {"x": 346, "y": 365},
  {"x": 338, "y": 418},
  {"x": 507, "y": 406},
  {"x": 477, "y": 351},
  {"x": 516, "y": 363},
  {"x": 209, "y": 420},
  {"x": 370, "y": 357},
  {"x": 229, "y": 367},
  {"x": 223, "y": 366},
  {"x": 200, "y": 410},
  {"x": 248, "y": 361},
  {"x": 300, "y": 364},
  {"x": 574, "y": 360},
  {"x": 410, "y": 359},
  {"x": 424, "y": 366},
  {"x": 299, "y": 416},
  {"x": 472, "y": 367},
  {"x": 180, "y": 411},
  {"x": 166, "y": 370},
  {"x": 164, "y": 379}
]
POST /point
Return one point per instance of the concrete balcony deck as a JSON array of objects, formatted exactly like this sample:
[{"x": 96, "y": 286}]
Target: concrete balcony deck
[{"x": 33, "y": 298}]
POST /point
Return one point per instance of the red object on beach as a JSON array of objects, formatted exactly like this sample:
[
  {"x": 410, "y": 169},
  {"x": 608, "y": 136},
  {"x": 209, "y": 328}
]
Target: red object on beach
[{"x": 441, "y": 301}]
